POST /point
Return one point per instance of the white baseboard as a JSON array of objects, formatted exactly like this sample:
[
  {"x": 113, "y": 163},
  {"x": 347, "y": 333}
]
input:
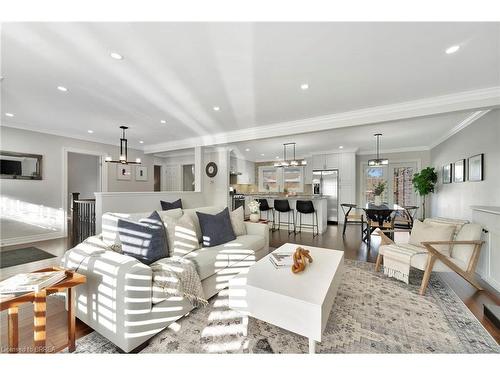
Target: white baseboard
[
  {"x": 492, "y": 282},
  {"x": 33, "y": 238}
]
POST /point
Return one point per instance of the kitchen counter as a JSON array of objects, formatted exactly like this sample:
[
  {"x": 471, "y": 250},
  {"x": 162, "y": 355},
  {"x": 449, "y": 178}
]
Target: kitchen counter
[
  {"x": 319, "y": 203},
  {"x": 278, "y": 196}
]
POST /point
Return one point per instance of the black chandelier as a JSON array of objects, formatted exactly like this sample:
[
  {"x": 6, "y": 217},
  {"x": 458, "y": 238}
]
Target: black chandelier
[
  {"x": 286, "y": 163},
  {"x": 378, "y": 161},
  {"x": 123, "y": 151}
]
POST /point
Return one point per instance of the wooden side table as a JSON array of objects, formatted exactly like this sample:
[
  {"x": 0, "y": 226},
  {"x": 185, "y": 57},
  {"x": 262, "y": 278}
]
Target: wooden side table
[{"x": 72, "y": 280}]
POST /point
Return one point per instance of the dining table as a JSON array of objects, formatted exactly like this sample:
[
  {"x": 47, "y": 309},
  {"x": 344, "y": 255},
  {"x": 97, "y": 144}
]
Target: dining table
[{"x": 382, "y": 214}]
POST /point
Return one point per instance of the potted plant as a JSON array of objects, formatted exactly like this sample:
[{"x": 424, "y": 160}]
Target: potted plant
[
  {"x": 378, "y": 190},
  {"x": 253, "y": 206},
  {"x": 424, "y": 183}
]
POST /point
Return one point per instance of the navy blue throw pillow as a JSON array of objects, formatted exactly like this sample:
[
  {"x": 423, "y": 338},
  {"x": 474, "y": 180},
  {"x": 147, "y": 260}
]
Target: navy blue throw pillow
[
  {"x": 144, "y": 240},
  {"x": 216, "y": 229},
  {"x": 165, "y": 206}
]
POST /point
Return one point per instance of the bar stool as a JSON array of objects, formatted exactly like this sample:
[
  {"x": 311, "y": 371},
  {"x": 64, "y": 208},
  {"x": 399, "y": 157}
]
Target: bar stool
[
  {"x": 306, "y": 208},
  {"x": 282, "y": 205},
  {"x": 264, "y": 206}
]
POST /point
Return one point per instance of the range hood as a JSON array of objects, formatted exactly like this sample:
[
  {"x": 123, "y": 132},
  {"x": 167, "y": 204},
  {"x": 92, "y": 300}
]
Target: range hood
[{"x": 233, "y": 173}]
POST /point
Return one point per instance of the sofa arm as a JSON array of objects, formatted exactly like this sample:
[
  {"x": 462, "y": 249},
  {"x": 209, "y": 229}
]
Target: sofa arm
[
  {"x": 117, "y": 296},
  {"x": 258, "y": 229}
]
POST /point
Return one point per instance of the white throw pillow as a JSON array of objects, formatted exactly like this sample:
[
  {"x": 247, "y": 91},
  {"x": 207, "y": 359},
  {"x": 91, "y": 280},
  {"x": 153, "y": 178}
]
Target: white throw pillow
[
  {"x": 238, "y": 222},
  {"x": 425, "y": 232},
  {"x": 181, "y": 235}
]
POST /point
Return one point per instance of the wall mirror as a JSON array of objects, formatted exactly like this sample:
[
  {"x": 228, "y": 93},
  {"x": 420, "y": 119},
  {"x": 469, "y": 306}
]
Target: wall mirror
[{"x": 17, "y": 165}]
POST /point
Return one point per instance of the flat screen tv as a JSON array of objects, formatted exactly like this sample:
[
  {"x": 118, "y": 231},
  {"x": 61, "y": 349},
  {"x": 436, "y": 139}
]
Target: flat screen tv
[{"x": 11, "y": 167}]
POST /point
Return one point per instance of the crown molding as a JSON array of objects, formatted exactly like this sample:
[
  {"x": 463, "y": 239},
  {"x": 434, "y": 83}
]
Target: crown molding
[
  {"x": 461, "y": 125},
  {"x": 396, "y": 150},
  {"x": 67, "y": 135},
  {"x": 461, "y": 101}
]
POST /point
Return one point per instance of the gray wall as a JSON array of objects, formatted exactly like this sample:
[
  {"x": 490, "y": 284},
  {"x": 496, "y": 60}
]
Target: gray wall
[
  {"x": 46, "y": 195},
  {"x": 454, "y": 200}
]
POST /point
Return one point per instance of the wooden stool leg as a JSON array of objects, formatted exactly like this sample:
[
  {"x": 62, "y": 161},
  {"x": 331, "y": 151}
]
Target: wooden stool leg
[
  {"x": 427, "y": 274},
  {"x": 71, "y": 320},
  {"x": 13, "y": 328},
  {"x": 40, "y": 313}
]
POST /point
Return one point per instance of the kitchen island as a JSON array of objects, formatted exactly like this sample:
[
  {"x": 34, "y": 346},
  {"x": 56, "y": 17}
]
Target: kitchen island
[{"x": 319, "y": 203}]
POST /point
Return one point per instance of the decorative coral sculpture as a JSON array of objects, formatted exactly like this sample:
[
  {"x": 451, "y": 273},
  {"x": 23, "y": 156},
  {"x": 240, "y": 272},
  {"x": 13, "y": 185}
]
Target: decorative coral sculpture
[{"x": 300, "y": 258}]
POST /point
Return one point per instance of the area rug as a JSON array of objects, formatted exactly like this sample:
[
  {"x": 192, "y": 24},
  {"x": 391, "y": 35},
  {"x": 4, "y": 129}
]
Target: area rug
[
  {"x": 25, "y": 255},
  {"x": 371, "y": 314}
]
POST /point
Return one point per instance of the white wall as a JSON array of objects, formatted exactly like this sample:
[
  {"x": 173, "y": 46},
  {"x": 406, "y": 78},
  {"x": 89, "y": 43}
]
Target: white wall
[
  {"x": 40, "y": 202},
  {"x": 216, "y": 190},
  {"x": 454, "y": 200}
]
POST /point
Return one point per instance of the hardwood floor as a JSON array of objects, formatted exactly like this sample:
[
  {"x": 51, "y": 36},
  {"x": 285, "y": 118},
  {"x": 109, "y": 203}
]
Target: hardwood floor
[{"x": 351, "y": 244}]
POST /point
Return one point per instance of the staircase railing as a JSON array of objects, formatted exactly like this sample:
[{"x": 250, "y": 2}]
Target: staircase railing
[{"x": 82, "y": 218}]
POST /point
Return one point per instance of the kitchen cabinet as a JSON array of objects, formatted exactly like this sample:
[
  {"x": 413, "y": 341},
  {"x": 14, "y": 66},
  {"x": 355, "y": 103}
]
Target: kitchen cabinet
[
  {"x": 245, "y": 168},
  {"x": 319, "y": 161},
  {"x": 308, "y": 171},
  {"x": 326, "y": 161}
]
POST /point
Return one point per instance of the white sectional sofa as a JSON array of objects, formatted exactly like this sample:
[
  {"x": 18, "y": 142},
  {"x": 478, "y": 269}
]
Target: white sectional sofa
[{"x": 119, "y": 301}]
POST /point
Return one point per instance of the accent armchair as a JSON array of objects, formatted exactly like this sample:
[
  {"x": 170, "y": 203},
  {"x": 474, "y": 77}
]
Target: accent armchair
[{"x": 463, "y": 255}]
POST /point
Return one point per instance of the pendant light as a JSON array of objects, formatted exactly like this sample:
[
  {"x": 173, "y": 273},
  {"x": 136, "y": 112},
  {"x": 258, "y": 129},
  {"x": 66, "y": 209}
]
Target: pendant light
[
  {"x": 123, "y": 151},
  {"x": 378, "y": 161},
  {"x": 285, "y": 163}
]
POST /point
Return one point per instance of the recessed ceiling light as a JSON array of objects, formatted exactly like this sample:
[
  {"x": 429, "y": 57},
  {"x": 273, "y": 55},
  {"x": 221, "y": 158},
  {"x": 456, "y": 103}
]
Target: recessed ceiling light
[
  {"x": 216, "y": 109},
  {"x": 62, "y": 88},
  {"x": 304, "y": 86},
  {"x": 9, "y": 114},
  {"x": 261, "y": 154},
  {"x": 452, "y": 49},
  {"x": 341, "y": 147},
  {"x": 277, "y": 157},
  {"x": 141, "y": 142},
  {"x": 90, "y": 131},
  {"x": 116, "y": 56},
  {"x": 163, "y": 121},
  {"x": 247, "y": 149}
]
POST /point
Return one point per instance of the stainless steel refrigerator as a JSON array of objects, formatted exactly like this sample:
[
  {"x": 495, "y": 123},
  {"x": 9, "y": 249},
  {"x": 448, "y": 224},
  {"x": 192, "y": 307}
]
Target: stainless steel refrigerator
[{"x": 325, "y": 183}]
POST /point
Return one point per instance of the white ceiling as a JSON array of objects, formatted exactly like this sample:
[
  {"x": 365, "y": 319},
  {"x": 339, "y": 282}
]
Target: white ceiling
[
  {"x": 412, "y": 134},
  {"x": 252, "y": 71}
]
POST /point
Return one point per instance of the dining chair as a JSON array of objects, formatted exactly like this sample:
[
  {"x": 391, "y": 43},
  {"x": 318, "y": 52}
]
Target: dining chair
[
  {"x": 352, "y": 217},
  {"x": 382, "y": 219}
]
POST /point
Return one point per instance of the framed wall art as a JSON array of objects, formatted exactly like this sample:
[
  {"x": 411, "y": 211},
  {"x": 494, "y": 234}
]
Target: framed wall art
[
  {"x": 123, "y": 172},
  {"x": 447, "y": 174},
  {"x": 475, "y": 167},
  {"x": 141, "y": 173},
  {"x": 459, "y": 171}
]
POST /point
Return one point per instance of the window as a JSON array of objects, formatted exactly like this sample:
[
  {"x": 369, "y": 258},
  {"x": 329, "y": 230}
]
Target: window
[
  {"x": 374, "y": 176},
  {"x": 402, "y": 186},
  {"x": 293, "y": 179},
  {"x": 275, "y": 179},
  {"x": 399, "y": 188},
  {"x": 268, "y": 179}
]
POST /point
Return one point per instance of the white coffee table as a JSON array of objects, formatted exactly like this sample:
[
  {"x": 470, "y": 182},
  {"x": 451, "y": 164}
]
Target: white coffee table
[{"x": 300, "y": 303}]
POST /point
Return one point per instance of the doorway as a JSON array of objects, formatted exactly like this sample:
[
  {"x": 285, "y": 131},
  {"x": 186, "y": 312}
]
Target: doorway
[
  {"x": 84, "y": 175},
  {"x": 157, "y": 178},
  {"x": 398, "y": 179},
  {"x": 188, "y": 177}
]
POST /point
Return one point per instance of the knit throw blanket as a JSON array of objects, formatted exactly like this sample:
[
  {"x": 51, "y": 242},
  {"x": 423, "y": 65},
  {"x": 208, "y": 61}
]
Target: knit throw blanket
[
  {"x": 397, "y": 259},
  {"x": 178, "y": 277}
]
